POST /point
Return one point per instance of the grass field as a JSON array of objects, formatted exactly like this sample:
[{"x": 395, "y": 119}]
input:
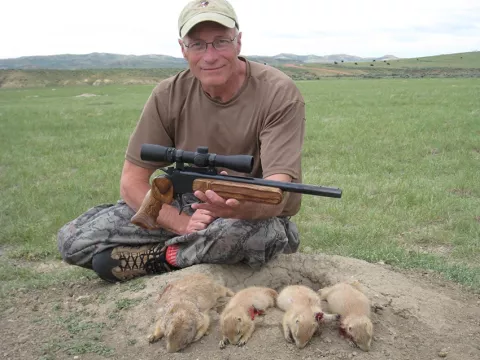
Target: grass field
[{"x": 405, "y": 153}]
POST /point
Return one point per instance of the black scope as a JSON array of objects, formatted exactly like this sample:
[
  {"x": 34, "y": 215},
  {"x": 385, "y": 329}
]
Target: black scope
[{"x": 202, "y": 158}]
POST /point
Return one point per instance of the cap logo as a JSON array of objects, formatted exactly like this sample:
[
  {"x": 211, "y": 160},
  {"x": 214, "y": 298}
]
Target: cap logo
[{"x": 204, "y": 3}]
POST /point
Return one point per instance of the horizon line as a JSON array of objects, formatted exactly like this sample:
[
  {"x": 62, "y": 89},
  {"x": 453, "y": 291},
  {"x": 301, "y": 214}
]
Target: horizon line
[{"x": 251, "y": 55}]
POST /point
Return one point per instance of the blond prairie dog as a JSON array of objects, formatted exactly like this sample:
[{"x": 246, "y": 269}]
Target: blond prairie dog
[
  {"x": 183, "y": 312},
  {"x": 303, "y": 313},
  {"x": 348, "y": 300},
  {"x": 237, "y": 319}
]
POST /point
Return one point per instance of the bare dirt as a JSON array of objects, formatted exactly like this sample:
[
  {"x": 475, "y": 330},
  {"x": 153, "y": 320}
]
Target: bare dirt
[{"x": 416, "y": 315}]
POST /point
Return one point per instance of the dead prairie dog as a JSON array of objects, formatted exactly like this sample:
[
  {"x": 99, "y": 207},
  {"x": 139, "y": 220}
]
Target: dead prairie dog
[
  {"x": 199, "y": 287},
  {"x": 183, "y": 312},
  {"x": 348, "y": 300},
  {"x": 237, "y": 319},
  {"x": 303, "y": 312}
]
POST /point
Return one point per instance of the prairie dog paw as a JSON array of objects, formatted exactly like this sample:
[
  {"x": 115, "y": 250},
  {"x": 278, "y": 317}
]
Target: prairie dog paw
[{"x": 152, "y": 338}]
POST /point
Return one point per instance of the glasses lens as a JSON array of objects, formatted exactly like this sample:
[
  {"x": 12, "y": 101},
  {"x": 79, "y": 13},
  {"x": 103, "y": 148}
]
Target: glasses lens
[
  {"x": 197, "y": 46},
  {"x": 222, "y": 44}
]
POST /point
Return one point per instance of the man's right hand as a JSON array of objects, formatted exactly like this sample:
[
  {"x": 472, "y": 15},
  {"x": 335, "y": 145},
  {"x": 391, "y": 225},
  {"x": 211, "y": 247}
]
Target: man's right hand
[{"x": 199, "y": 221}]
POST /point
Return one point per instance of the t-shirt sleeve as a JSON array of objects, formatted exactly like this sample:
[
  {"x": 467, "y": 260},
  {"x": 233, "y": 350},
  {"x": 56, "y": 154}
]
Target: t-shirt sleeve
[
  {"x": 151, "y": 128},
  {"x": 281, "y": 139}
]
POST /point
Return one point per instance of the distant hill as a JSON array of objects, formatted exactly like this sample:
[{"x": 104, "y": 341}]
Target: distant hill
[
  {"x": 309, "y": 67},
  {"x": 118, "y": 61},
  {"x": 92, "y": 61}
]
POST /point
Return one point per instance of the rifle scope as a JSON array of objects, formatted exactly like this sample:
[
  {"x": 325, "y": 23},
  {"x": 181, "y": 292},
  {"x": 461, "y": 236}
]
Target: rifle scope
[{"x": 201, "y": 157}]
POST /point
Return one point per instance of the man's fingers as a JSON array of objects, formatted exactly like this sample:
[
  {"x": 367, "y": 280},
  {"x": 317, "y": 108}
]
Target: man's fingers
[
  {"x": 206, "y": 218},
  {"x": 232, "y": 202},
  {"x": 209, "y": 197},
  {"x": 196, "y": 227},
  {"x": 200, "y": 226},
  {"x": 201, "y": 196},
  {"x": 207, "y": 213},
  {"x": 204, "y": 207},
  {"x": 214, "y": 198}
]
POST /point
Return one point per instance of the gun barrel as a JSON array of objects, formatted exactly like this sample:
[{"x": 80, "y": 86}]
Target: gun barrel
[
  {"x": 304, "y": 188},
  {"x": 290, "y": 187}
]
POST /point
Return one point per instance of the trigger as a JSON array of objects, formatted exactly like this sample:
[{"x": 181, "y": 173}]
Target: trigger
[
  {"x": 179, "y": 198},
  {"x": 180, "y": 202}
]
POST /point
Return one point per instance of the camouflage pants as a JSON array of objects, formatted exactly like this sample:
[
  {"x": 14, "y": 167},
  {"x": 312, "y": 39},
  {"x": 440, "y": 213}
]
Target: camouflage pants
[{"x": 224, "y": 241}]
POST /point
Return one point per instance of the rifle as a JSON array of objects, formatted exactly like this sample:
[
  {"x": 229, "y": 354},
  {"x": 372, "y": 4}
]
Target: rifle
[{"x": 203, "y": 176}]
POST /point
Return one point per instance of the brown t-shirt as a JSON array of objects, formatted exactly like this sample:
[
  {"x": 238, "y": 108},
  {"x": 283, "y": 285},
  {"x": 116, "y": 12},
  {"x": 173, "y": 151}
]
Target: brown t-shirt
[{"x": 265, "y": 119}]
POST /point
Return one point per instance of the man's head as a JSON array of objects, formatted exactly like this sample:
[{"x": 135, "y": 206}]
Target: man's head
[{"x": 210, "y": 40}]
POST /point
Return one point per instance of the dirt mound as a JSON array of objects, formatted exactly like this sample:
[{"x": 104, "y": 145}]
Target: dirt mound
[{"x": 416, "y": 316}]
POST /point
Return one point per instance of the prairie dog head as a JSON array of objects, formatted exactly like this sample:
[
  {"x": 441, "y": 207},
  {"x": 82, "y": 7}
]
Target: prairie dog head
[
  {"x": 303, "y": 327},
  {"x": 180, "y": 332},
  {"x": 234, "y": 325},
  {"x": 360, "y": 330}
]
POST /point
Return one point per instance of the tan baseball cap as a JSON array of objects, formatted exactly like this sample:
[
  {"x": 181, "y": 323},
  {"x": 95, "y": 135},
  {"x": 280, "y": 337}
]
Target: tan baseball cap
[{"x": 196, "y": 11}]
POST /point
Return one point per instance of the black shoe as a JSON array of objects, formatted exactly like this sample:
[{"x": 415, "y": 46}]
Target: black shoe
[{"x": 128, "y": 262}]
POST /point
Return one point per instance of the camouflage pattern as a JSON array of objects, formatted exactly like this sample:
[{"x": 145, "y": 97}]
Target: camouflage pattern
[{"x": 224, "y": 241}]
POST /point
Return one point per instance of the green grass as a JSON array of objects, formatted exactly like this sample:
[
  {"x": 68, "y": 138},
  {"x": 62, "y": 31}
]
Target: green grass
[{"x": 404, "y": 152}]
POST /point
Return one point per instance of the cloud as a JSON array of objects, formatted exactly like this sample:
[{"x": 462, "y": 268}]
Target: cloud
[{"x": 407, "y": 28}]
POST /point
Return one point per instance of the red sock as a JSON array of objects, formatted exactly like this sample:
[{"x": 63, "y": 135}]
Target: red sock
[{"x": 171, "y": 254}]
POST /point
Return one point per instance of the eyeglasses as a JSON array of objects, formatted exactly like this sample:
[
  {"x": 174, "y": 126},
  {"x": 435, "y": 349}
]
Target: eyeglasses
[{"x": 219, "y": 44}]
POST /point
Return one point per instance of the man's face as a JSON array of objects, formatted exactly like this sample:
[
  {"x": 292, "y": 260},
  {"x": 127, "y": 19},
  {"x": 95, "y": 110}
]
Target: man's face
[{"x": 212, "y": 67}]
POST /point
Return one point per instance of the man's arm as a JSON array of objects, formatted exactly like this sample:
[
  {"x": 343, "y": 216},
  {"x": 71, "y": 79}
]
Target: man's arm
[{"x": 134, "y": 185}]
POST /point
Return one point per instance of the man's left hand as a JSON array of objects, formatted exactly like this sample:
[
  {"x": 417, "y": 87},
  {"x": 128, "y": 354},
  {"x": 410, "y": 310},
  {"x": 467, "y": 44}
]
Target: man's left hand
[
  {"x": 232, "y": 208},
  {"x": 218, "y": 206}
]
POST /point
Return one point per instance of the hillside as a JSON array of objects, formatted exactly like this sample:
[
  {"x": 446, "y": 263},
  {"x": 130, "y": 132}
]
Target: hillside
[
  {"x": 458, "y": 60},
  {"x": 298, "y": 68},
  {"x": 118, "y": 61},
  {"x": 92, "y": 61}
]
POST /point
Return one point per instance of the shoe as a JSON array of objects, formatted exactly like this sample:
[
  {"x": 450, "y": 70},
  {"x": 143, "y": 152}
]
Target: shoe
[{"x": 128, "y": 262}]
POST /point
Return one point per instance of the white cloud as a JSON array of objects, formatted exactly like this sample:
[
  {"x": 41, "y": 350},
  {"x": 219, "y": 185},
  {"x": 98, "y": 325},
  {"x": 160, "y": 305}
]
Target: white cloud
[{"x": 404, "y": 28}]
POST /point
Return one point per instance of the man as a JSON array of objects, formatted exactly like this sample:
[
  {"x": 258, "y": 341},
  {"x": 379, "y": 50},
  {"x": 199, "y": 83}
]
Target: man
[{"x": 232, "y": 106}]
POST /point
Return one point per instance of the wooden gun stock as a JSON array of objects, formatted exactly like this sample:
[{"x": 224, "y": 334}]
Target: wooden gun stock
[
  {"x": 239, "y": 191},
  {"x": 160, "y": 193}
]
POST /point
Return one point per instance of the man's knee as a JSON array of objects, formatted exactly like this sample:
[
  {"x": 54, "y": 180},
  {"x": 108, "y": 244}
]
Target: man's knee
[
  {"x": 101, "y": 228},
  {"x": 78, "y": 239},
  {"x": 268, "y": 239},
  {"x": 254, "y": 242},
  {"x": 72, "y": 250}
]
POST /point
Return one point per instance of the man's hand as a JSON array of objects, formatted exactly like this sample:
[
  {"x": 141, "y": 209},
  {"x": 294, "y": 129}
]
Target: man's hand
[
  {"x": 218, "y": 206},
  {"x": 199, "y": 221},
  {"x": 234, "y": 209}
]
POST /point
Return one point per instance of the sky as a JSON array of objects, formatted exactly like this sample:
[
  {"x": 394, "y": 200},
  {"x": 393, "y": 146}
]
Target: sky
[{"x": 406, "y": 28}]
